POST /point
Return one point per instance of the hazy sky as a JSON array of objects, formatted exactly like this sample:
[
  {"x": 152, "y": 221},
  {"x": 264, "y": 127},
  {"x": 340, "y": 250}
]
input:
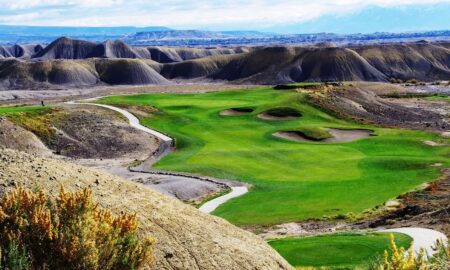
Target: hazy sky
[{"x": 289, "y": 16}]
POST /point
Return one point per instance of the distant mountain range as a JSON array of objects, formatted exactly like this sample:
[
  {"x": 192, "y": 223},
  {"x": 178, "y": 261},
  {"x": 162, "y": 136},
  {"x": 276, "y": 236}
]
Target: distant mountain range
[
  {"x": 12, "y": 34},
  {"x": 163, "y": 36},
  {"x": 78, "y": 63}
]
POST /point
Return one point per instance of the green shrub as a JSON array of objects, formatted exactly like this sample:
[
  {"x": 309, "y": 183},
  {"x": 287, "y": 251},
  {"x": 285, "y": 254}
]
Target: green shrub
[
  {"x": 315, "y": 133},
  {"x": 412, "y": 81},
  {"x": 16, "y": 258},
  {"x": 69, "y": 232}
]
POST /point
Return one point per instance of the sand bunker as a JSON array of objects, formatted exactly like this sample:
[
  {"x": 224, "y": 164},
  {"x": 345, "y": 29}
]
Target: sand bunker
[
  {"x": 433, "y": 143},
  {"x": 339, "y": 135},
  {"x": 236, "y": 111},
  {"x": 283, "y": 113}
]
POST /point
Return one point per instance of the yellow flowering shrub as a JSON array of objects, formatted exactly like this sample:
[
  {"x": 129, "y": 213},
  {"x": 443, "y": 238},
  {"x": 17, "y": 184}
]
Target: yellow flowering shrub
[
  {"x": 70, "y": 232},
  {"x": 402, "y": 260},
  {"x": 399, "y": 259}
]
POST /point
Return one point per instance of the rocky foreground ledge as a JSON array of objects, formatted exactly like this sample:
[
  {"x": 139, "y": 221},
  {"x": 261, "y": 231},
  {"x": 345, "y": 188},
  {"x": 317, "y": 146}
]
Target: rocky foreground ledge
[{"x": 186, "y": 238}]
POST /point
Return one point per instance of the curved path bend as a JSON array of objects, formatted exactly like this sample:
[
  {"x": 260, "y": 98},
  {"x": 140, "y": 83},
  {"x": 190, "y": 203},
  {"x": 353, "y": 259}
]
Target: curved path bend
[
  {"x": 211, "y": 205},
  {"x": 207, "y": 207},
  {"x": 422, "y": 237}
]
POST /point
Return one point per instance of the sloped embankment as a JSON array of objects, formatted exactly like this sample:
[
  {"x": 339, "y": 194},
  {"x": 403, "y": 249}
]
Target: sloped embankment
[
  {"x": 364, "y": 105},
  {"x": 19, "y": 74},
  {"x": 186, "y": 238},
  {"x": 67, "y": 62}
]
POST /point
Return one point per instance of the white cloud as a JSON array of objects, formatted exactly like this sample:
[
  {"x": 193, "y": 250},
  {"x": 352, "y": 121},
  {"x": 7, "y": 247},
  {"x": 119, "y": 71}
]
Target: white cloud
[
  {"x": 184, "y": 14},
  {"x": 27, "y": 4}
]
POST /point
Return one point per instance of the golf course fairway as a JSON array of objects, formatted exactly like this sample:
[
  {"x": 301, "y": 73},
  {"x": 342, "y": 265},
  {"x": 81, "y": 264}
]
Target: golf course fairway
[
  {"x": 291, "y": 180},
  {"x": 340, "y": 250}
]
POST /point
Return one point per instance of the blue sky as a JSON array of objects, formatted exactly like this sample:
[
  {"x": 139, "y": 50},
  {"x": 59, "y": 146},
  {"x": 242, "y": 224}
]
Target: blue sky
[{"x": 283, "y": 16}]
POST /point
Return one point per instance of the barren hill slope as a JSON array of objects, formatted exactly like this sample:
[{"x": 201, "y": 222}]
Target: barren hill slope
[
  {"x": 20, "y": 74},
  {"x": 186, "y": 238},
  {"x": 114, "y": 62},
  {"x": 422, "y": 61},
  {"x": 67, "y": 48},
  {"x": 19, "y": 51}
]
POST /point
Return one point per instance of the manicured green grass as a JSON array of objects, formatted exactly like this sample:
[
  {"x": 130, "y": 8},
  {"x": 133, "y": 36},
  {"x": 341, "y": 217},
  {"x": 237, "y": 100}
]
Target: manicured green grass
[
  {"x": 292, "y": 180},
  {"x": 5, "y": 110},
  {"x": 344, "y": 250},
  {"x": 32, "y": 118},
  {"x": 445, "y": 98}
]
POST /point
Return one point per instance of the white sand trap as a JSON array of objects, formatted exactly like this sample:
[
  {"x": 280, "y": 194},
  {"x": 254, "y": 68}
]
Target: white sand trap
[
  {"x": 292, "y": 136},
  {"x": 433, "y": 143},
  {"x": 236, "y": 111},
  {"x": 348, "y": 135},
  {"x": 339, "y": 135}
]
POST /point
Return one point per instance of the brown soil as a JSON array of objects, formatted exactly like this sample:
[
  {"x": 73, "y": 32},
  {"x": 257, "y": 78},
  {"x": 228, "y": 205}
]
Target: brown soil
[
  {"x": 90, "y": 132},
  {"x": 382, "y": 89},
  {"x": 440, "y": 107},
  {"x": 339, "y": 135},
  {"x": 365, "y": 106},
  {"x": 301, "y": 229},
  {"x": 186, "y": 238},
  {"x": 15, "y": 137}
]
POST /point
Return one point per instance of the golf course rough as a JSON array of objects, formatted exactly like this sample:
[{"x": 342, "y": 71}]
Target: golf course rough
[
  {"x": 291, "y": 180},
  {"x": 349, "y": 250}
]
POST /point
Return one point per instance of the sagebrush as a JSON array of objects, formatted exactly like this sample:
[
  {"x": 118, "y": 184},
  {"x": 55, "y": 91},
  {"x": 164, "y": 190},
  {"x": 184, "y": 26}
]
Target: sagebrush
[
  {"x": 400, "y": 259},
  {"x": 70, "y": 232}
]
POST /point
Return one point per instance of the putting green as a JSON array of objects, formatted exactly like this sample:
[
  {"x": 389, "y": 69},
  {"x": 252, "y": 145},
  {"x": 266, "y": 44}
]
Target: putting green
[
  {"x": 349, "y": 250},
  {"x": 291, "y": 181}
]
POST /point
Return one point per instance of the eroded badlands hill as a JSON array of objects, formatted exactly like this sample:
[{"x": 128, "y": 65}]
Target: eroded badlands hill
[
  {"x": 186, "y": 238},
  {"x": 77, "y": 63}
]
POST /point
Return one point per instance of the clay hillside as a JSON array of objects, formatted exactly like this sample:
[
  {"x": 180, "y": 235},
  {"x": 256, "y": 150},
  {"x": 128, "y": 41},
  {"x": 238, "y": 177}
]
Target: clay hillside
[
  {"x": 186, "y": 238},
  {"x": 77, "y": 63}
]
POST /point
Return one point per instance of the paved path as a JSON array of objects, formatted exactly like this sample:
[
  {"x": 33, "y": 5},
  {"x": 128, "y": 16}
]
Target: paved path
[
  {"x": 134, "y": 121},
  {"x": 423, "y": 238},
  {"x": 209, "y": 206}
]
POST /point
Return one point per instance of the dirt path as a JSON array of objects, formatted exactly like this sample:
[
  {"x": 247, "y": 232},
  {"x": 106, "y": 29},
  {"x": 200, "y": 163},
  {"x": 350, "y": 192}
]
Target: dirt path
[
  {"x": 423, "y": 238},
  {"x": 237, "y": 189}
]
